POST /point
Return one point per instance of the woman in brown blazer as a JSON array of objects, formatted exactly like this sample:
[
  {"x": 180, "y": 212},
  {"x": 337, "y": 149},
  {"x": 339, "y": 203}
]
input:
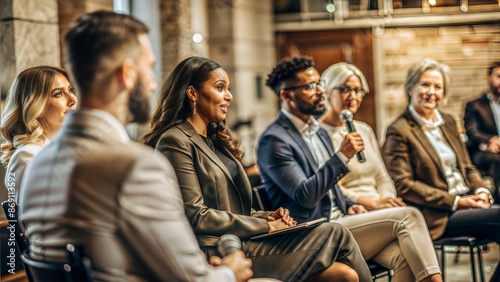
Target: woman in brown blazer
[
  {"x": 430, "y": 165},
  {"x": 189, "y": 128}
]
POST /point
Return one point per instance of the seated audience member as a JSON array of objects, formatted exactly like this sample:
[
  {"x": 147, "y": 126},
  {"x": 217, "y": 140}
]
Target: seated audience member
[
  {"x": 430, "y": 165},
  {"x": 300, "y": 172},
  {"x": 482, "y": 125},
  {"x": 367, "y": 183},
  {"x": 36, "y": 105},
  {"x": 189, "y": 128},
  {"x": 94, "y": 187}
]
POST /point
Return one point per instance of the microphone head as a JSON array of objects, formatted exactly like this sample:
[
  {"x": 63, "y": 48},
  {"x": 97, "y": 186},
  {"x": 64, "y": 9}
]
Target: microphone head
[
  {"x": 228, "y": 244},
  {"x": 346, "y": 115}
]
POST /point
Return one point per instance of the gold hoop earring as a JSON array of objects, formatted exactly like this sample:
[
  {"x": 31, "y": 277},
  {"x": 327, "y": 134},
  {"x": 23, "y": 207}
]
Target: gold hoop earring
[{"x": 194, "y": 108}]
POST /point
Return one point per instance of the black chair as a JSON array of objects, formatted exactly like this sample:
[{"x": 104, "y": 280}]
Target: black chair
[
  {"x": 76, "y": 269},
  {"x": 260, "y": 198},
  {"x": 11, "y": 211},
  {"x": 474, "y": 247},
  {"x": 377, "y": 271}
]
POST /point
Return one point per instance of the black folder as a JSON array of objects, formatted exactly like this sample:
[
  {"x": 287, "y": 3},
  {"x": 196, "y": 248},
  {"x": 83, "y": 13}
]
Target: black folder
[{"x": 297, "y": 227}]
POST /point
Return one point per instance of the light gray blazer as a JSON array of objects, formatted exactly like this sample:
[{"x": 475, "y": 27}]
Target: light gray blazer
[{"x": 118, "y": 200}]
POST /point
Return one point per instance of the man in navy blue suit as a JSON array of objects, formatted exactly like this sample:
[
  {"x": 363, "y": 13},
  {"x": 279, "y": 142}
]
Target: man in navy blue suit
[
  {"x": 482, "y": 125},
  {"x": 300, "y": 170}
]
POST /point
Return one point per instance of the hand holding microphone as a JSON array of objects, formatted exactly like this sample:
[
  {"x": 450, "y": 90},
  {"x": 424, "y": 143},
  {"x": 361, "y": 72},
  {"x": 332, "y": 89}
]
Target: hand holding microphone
[
  {"x": 354, "y": 140},
  {"x": 228, "y": 244},
  {"x": 229, "y": 248}
]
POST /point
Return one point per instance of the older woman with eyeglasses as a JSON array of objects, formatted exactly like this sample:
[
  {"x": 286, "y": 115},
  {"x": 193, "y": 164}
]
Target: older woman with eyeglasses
[
  {"x": 368, "y": 182},
  {"x": 430, "y": 165}
]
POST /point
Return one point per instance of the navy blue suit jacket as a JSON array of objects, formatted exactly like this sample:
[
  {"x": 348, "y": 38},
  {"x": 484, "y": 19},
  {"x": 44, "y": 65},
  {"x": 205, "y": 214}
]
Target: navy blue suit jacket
[{"x": 292, "y": 178}]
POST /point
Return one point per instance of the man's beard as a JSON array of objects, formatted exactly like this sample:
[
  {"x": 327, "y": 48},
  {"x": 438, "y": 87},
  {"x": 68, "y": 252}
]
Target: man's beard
[
  {"x": 312, "y": 110},
  {"x": 495, "y": 91},
  {"x": 138, "y": 103}
]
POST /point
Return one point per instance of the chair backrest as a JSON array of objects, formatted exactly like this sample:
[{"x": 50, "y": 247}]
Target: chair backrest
[
  {"x": 76, "y": 269},
  {"x": 261, "y": 198},
  {"x": 11, "y": 211}
]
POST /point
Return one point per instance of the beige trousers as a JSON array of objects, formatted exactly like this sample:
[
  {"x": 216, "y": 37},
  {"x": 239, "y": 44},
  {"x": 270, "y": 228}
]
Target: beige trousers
[{"x": 395, "y": 238}]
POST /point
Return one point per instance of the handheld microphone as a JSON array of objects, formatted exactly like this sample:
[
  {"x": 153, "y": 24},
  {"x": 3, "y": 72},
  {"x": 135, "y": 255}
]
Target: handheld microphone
[
  {"x": 346, "y": 117},
  {"x": 228, "y": 244}
]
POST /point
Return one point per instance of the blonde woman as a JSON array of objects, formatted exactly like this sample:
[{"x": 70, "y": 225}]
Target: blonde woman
[{"x": 34, "y": 111}]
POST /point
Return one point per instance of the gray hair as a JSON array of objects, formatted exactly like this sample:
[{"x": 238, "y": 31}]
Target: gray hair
[
  {"x": 337, "y": 74},
  {"x": 416, "y": 71}
]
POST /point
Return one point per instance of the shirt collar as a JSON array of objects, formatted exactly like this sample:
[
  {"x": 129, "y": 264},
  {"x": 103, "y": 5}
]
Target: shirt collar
[
  {"x": 113, "y": 122},
  {"x": 306, "y": 129},
  {"x": 493, "y": 99},
  {"x": 425, "y": 123}
]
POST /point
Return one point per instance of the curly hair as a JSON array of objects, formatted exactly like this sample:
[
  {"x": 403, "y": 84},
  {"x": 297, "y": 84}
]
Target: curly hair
[
  {"x": 27, "y": 100},
  {"x": 286, "y": 70},
  {"x": 174, "y": 106}
]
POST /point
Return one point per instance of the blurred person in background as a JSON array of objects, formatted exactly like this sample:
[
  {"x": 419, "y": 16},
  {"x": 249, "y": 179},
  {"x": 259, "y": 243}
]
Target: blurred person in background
[{"x": 482, "y": 125}]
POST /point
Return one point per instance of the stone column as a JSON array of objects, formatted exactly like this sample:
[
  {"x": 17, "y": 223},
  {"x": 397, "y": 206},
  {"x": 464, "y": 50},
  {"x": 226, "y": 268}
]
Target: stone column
[
  {"x": 70, "y": 10},
  {"x": 176, "y": 33},
  {"x": 241, "y": 39},
  {"x": 29, "y": 37}
]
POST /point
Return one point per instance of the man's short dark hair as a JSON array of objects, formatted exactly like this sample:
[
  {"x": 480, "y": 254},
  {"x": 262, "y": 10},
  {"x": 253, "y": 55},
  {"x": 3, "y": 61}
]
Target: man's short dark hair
[
  {"x": 97, "y": 42},
  {"x": 286, "y": 71},
  {"x": 495, "y": 64}
]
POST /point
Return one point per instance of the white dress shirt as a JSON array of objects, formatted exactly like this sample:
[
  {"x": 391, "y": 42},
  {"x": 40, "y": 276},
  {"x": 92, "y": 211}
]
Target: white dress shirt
[
  {"x": 456, "y": 183},
  {"x": 309, "y": 134}
]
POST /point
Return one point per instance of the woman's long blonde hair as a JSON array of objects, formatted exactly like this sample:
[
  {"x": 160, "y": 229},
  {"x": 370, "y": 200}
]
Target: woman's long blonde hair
[{"x": 27, "y": 100}]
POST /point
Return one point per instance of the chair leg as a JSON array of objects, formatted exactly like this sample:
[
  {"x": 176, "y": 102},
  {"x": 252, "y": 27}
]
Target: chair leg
[
  {"x": 443, "y": 263},
  {"x": 473, "y": 264},
  {"x": 480, "y": 259},
  {"x": 457, "y": 256}
]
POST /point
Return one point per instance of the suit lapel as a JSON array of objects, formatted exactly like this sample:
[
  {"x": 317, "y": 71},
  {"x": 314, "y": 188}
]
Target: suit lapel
[
  {"x": 485, "y": 110},
  {"x": 191, "y": 133},
  {"x": 449, "y": 130},
  {"x": 287, "y": 124},
  {"x": 419, "y": 134},
  {"x": 327, "y": 141}
]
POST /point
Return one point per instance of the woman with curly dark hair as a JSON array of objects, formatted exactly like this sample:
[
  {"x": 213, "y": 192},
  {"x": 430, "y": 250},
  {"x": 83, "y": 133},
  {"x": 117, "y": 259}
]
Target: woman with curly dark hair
[{"x": 189, "y": 128}]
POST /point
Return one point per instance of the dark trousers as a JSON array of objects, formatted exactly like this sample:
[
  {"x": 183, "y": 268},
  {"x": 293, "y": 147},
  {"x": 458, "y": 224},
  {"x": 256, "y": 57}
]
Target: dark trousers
[
  {"x": 480, "y": 223},
  {"x": 489, "y": 163}
]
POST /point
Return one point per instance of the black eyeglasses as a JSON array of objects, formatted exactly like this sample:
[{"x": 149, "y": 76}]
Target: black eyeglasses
[
  {"x": 311, "y": 86},
  {"x": 346, "y": 91}
]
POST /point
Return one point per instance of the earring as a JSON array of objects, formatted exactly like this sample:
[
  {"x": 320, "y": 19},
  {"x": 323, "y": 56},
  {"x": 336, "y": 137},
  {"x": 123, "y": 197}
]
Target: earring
[{"x": 194, "y": 108}]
